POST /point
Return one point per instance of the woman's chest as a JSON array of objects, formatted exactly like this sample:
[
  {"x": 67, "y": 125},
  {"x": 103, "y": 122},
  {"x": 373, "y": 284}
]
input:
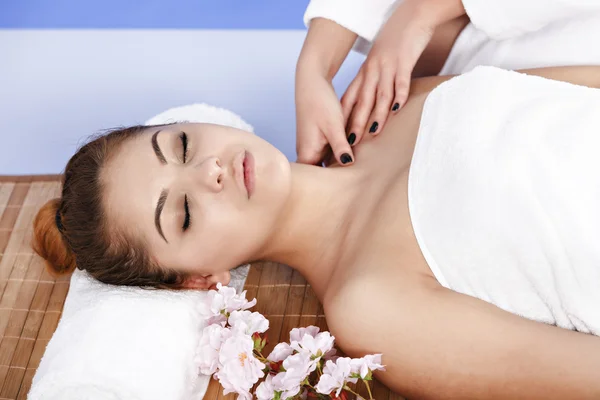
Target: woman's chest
[
  {"x": 384, "y": 161},
  {"x": 389, "y": 154},
  {"x": 384, "y": 245},
  {"x": 386, "y": 254}
]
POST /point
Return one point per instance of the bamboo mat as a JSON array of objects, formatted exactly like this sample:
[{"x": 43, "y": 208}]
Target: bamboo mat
[{"x": 31, "y": 300}]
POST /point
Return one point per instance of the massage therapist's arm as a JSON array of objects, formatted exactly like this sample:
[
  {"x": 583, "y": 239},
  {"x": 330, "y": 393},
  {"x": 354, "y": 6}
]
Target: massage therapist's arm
[
  {"x": 326, "y": 47},
  {"x": 437, "y": 343},
  {"x": 319, "y": 118}
]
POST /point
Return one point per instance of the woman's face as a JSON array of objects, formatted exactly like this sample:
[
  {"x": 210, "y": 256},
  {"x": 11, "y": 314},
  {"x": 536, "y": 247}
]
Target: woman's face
[{"x": 203, "y": 197}]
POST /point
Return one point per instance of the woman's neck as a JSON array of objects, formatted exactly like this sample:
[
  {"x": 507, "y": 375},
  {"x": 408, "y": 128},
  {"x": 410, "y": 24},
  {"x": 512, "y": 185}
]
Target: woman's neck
[{"x": 317, "y": 224}]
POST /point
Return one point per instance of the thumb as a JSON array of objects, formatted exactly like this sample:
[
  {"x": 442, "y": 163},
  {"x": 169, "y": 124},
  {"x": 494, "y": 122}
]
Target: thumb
[
  {"x": 310, "y": 145},
  {"x": 309, "y": 155},
  {"x": 340, "y": 146}
]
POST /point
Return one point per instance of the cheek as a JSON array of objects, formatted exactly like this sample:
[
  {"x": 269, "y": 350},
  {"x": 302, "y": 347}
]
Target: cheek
[
  {"x": 220, "y": 241},
  {"x": 224, "y": 226}
]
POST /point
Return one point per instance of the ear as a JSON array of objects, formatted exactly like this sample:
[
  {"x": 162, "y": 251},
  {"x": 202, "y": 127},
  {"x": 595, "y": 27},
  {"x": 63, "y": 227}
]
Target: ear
[
  {"x": 206, "y": 282},
  {"x": 197, "y": 282}
]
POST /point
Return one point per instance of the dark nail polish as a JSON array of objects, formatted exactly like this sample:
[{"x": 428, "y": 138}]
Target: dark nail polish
[
  {"x": 351, "y": 139},
  {"x": 346, "y": 158},
  {"x": 396, "y": 107},
  {"x": 374, "y": 127}
]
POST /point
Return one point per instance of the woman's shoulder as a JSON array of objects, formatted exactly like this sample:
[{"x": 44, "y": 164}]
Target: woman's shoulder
[{"x": 361, "y": 305}]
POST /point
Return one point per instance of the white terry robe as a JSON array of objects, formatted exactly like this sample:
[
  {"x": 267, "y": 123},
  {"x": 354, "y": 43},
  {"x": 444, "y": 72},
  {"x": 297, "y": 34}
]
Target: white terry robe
[{"x": 511, "y": 34}]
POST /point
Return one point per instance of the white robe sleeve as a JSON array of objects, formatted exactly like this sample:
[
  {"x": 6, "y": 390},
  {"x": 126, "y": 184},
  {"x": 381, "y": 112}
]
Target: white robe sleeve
[
  {"x": 503, "y": 19},
  {"x": 363, "y": 17}
]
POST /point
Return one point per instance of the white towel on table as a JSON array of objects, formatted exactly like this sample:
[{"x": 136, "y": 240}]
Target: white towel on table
[{"x": 125, "y": 343}]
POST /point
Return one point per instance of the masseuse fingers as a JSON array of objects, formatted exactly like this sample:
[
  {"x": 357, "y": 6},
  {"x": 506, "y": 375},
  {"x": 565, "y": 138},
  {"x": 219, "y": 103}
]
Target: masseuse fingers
[
  {"x": 310, "y": 156},
  {"x": 402, "y": 87},
  {"x": 366, "y": 99},
  {"x": 336, "y": 137},
  {"x": 311, "y": 146},
  {"x": 348, "y": 101},
  {"x": 329, "y": 158},
  {"x": 383, "y": 102}
]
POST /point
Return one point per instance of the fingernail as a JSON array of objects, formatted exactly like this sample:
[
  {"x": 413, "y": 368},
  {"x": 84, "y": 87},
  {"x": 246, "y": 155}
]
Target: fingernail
[
  {"x": 374, "y": 127},
  {"x": 396, "y": 107},
  {"x": 351, "y": 139},
  {"x": 346, "y": 158}
]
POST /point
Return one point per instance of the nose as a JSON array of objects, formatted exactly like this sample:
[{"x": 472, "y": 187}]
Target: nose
[{"x": 211, "y": 174}]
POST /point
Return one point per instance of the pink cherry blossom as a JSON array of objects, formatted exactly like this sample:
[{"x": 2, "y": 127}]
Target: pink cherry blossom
[
  {"x": 248, "y": 322},
  {"x": 301, "y": 364},
  {"x": 211, "y": 305},
  {"x": 226, "y": 350},
  {"x": 239, "y": 370},
  {"x": 280, "y": 352},
  {"x": 297, "y": 368},
  {"x": 211, "y": 340},
  {"x": 335, "y": 376},
  {"x": 331, "y": 355},
  {"x": 285, "y": 386},
  {"x": 317, "y": 346},
  {"x": 219, "y": 319},
  {"x": 224, "y": 301},
  {"x": 369, "y": 363},
  {"x": 297, "y": 334},
  {"x": 266, "y": 390},
  {"x": 234, "y": 301}
]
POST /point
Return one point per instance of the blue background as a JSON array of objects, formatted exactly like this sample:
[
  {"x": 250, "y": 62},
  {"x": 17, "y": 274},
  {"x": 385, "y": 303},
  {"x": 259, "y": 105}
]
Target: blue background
[
  {"x": 70, "y": 69},
  {"x": 152, "y": 14}
]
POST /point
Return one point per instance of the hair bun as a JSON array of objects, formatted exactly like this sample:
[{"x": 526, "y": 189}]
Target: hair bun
[{"x": 49, "y": 242}]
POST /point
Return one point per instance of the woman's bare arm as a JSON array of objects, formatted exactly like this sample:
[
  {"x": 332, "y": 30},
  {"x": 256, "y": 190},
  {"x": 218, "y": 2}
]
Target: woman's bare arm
[
  {"x": 439, "y": 344},
  {"x": 578, "y": 75}
]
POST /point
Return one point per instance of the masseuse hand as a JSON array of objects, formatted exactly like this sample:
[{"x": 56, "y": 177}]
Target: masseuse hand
[
  {"x": 383, "y": 80},
  {"x": 382, "y": 84},
  {"x": 319, "y": 119}
]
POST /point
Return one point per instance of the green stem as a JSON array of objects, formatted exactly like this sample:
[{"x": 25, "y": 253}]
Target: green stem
[
  {"x": 346, "y": 387},
  {"x": 368, "y": 390},
  {"x": 260, "y": 356}
]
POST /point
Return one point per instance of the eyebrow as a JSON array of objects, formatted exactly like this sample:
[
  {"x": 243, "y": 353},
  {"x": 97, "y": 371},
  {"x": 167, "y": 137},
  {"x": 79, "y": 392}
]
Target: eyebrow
[
  {"x": 157, "y": 150},
  {"x": 159, "y": 207}
]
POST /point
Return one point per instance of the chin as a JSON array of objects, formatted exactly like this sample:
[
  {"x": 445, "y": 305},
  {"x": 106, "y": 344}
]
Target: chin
[
  {"x": 273, "y": 173},
  {"x": 271, "y": 193},
  {"x": 279, "y": 174}
]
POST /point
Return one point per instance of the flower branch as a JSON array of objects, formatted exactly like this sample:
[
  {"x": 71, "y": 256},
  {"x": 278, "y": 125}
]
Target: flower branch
[{"x": 231, "y": 348}]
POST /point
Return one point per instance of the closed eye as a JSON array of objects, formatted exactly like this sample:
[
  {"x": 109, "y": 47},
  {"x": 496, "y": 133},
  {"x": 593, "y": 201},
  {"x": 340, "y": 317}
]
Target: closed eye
[
  {"x": 184, "y": 144},
  {"x": 186, "y": 220}
]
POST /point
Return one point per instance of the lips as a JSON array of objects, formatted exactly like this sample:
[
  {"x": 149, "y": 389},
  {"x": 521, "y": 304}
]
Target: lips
[{"x": 248, "y": 168}]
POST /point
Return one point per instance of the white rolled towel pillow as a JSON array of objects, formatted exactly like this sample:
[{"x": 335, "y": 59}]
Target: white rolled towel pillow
[
  {"x": 200, "y": 112},
  {"x": 127, "y": 343}
]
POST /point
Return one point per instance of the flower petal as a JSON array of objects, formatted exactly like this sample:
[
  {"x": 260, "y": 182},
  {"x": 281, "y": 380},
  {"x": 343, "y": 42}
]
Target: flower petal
[{"x": 327, "y": 384}]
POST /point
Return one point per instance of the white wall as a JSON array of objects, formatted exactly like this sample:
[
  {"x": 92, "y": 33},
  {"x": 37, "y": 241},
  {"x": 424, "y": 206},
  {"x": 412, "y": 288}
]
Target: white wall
[{"x": 57, "y": 87}]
